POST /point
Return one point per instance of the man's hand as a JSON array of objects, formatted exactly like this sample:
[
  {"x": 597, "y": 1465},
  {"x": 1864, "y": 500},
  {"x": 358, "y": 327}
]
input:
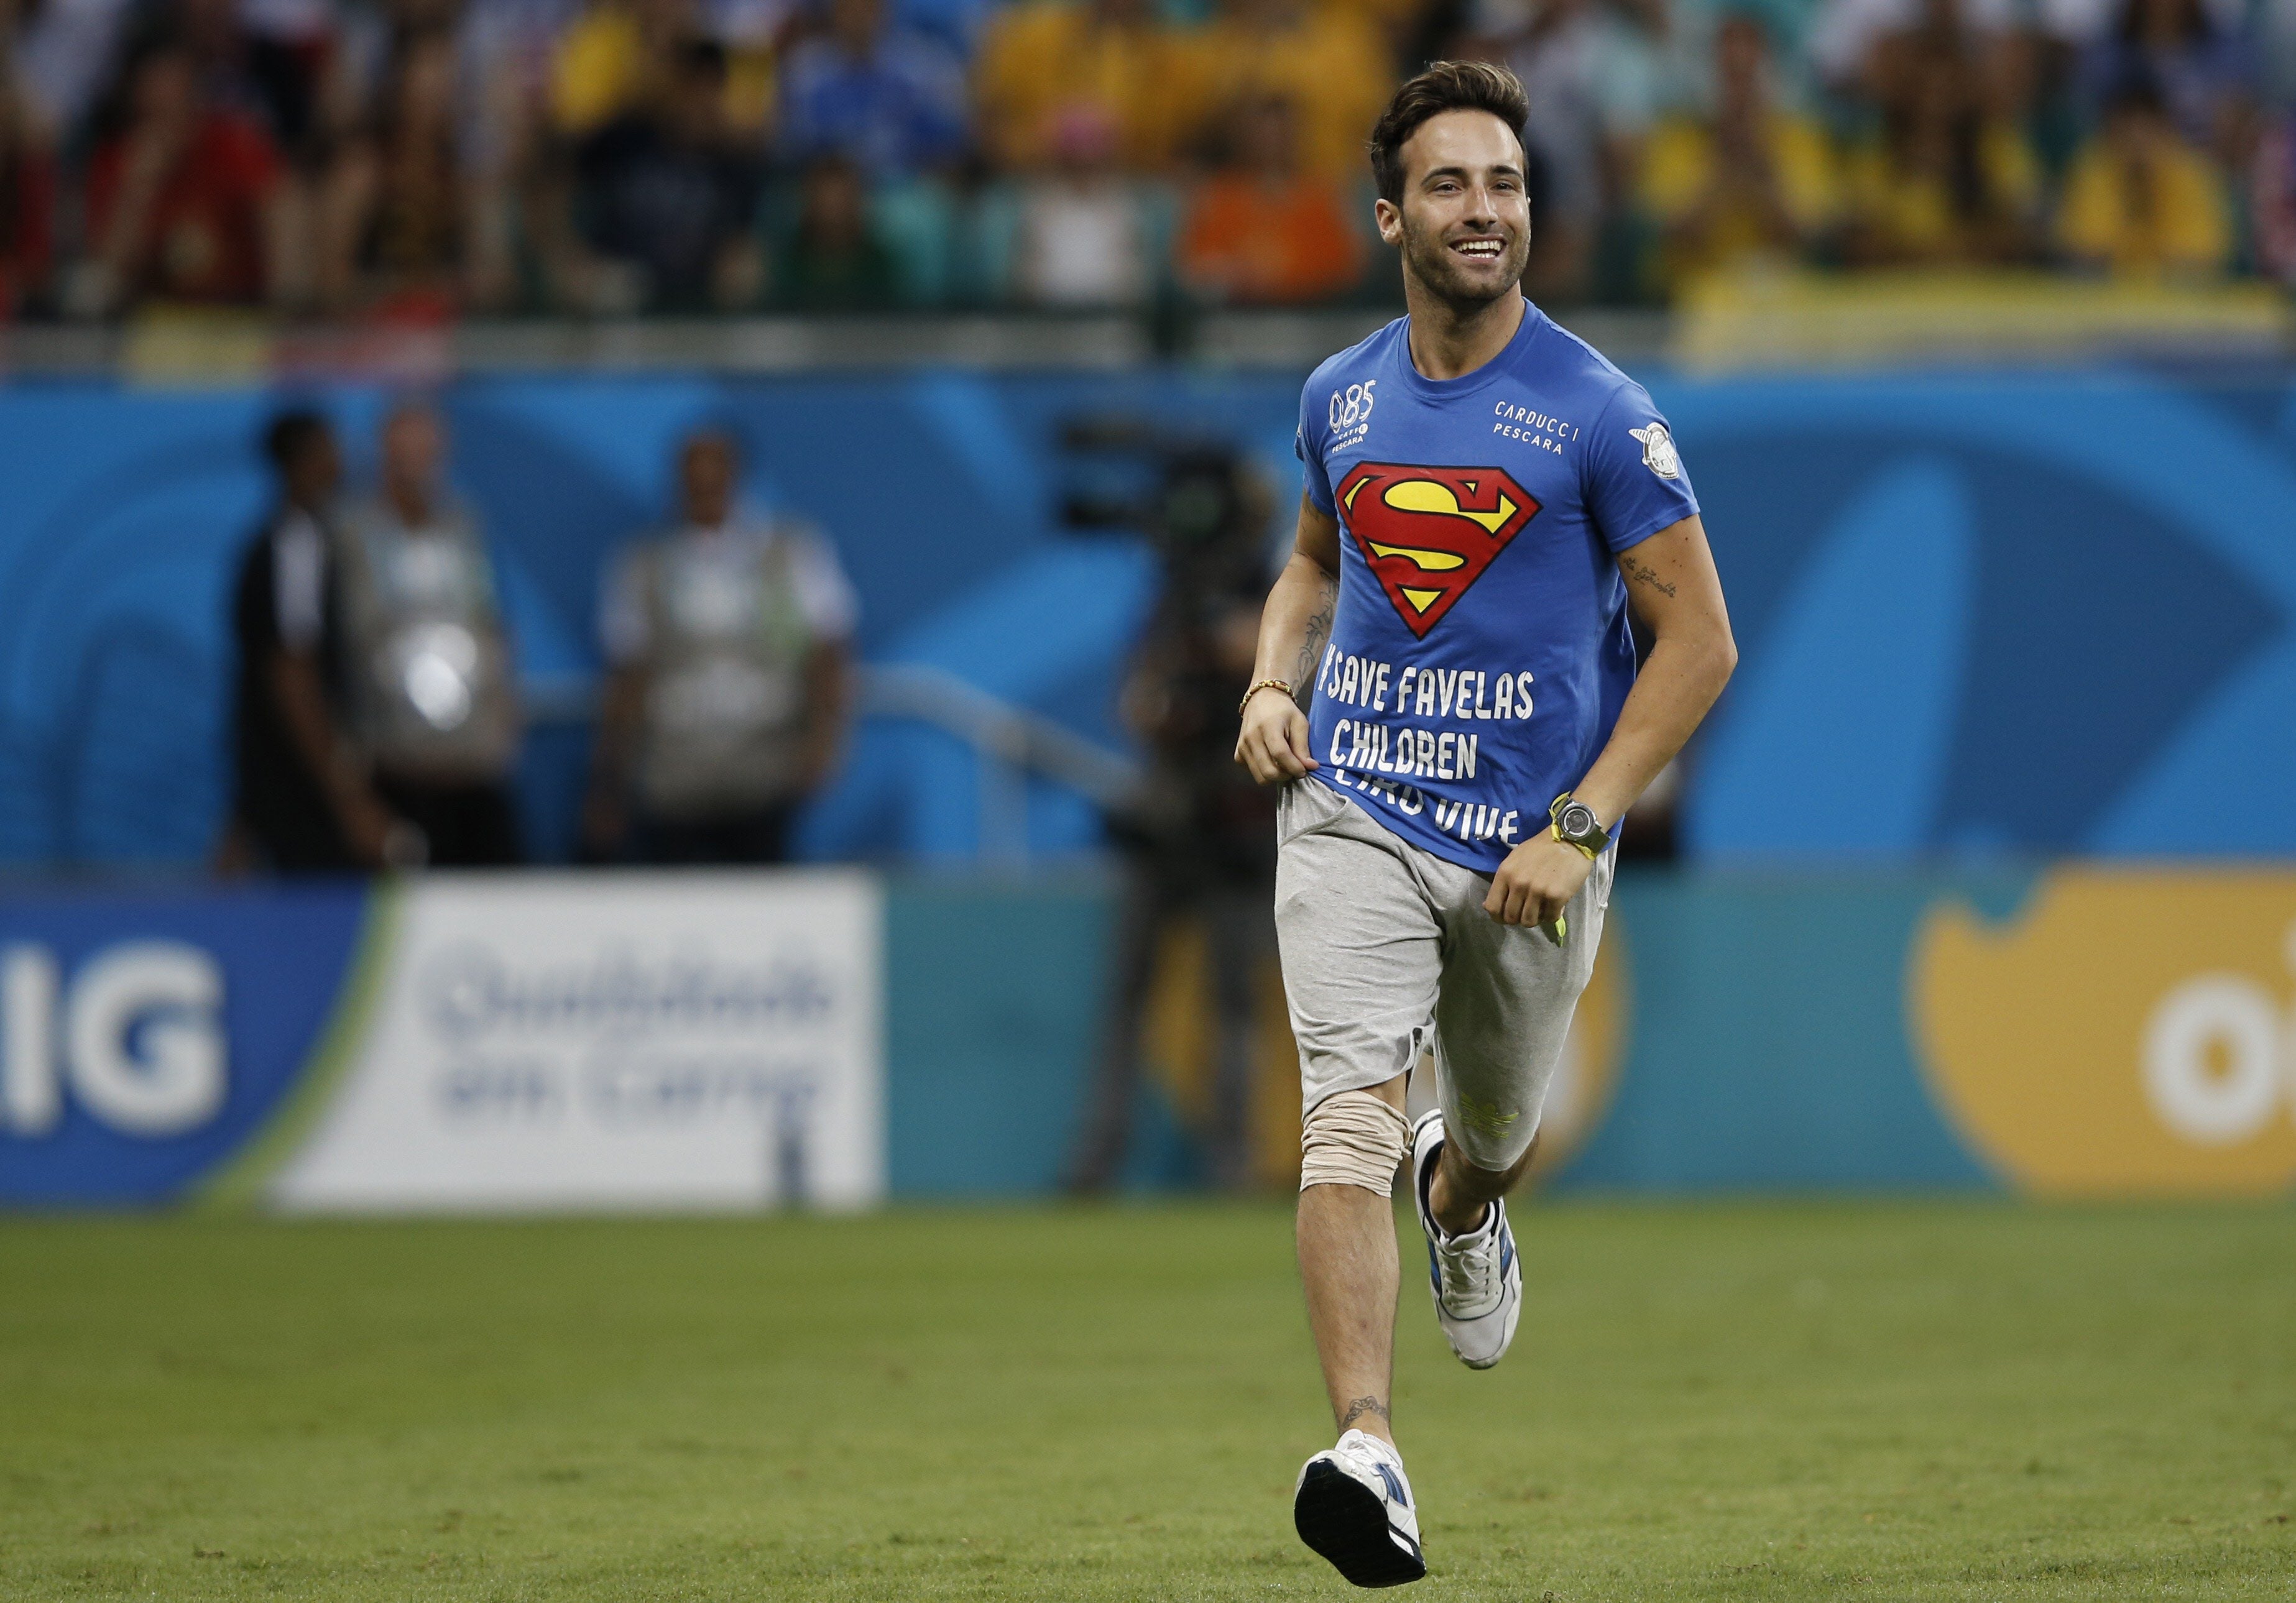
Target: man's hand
[
  {"x": 1274, "y": 744},
  {"x": 366, "y": 826},
  {"x": 1536, "y": 881},
  {"x": 605, "y": 821}
]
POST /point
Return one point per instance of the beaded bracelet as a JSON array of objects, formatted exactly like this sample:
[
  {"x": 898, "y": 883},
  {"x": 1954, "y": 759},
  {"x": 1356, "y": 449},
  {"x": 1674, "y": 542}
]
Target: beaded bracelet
[{"x": 1265, "y": 684}]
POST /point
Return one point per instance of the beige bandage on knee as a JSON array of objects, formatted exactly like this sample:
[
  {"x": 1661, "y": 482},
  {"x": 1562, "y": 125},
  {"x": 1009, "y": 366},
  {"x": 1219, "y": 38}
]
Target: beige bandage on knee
[{"x": 1352, "y": 1139}]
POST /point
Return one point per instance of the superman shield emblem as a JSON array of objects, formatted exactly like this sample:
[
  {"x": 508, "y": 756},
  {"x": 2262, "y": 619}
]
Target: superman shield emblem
[{"x": 1427, "y": 533}]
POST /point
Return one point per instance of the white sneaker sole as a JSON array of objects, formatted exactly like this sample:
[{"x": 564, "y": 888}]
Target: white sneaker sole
[{"x": 1346, "y": 1522}]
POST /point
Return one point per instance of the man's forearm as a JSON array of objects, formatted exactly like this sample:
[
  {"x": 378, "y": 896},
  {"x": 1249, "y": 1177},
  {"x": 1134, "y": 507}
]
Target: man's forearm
[
  {"x": 620, "y": 705},
  {"x": 1296, "y": 623},
  {"x": 1672, "y": 695},
  {"x": 828, "y": 696}
]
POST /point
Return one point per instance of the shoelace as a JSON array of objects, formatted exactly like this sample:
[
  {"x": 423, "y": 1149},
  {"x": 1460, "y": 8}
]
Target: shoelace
[{"x": 1470, "y": 1268}]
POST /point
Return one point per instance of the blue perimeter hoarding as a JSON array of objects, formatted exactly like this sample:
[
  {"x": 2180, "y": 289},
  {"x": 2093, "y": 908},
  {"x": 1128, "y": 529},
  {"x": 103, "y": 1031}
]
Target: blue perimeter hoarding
[
  {"x": 1983, "y": 614},
  {"x": 1796, "y": 1031}
]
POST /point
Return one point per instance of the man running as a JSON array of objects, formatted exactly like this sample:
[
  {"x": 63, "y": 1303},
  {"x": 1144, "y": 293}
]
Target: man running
[{"x": 1475, "y": 729}]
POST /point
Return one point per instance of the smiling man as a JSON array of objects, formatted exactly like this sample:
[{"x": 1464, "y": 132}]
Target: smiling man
[{"x": 1485, "y": 496}]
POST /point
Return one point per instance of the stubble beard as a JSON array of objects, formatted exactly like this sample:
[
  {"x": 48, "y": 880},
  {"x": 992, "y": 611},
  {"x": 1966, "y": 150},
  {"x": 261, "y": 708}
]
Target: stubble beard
[{"x": 1438, "y": 273}]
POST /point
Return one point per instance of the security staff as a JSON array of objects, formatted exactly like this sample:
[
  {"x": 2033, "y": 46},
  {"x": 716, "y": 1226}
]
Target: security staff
[
  {"x": 1199, "y": 842},
  {"x": 429, "y": 676},
  {"x": 727, "y": 643},
  {"x": 303, "y": 801}
]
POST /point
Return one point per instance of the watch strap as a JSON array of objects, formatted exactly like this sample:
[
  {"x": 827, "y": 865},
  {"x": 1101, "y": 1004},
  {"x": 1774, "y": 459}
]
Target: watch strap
[{"x": 1593, "y": 845}]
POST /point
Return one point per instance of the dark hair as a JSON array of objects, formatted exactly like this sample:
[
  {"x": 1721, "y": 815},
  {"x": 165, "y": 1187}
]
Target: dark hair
[
  {"x": 291, "y": 434},
  {"x": 699, "y": 57},
  {"x": 2136, "y": 88},
  {"x": 2193, "y": 24},
  {"x": 1443, "y": 86},
  {"x": 717, "y": 429}
]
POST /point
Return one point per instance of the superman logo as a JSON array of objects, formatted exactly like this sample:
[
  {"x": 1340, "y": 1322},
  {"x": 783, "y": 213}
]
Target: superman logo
[{"x": 1427, "y": 533}]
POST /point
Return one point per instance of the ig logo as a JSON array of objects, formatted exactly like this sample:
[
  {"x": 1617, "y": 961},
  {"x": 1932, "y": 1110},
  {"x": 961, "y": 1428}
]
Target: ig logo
[
  {"x": 137, "y": 1037},
  {"x": 2220, "y": 1058}
]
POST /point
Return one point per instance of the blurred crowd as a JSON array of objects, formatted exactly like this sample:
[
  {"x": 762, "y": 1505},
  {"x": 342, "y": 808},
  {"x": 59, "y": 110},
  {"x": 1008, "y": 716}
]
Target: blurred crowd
[{"x": 411, "y": 161}]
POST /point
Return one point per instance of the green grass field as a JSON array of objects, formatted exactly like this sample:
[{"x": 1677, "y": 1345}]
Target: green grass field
[{"x": 1773, "y": 1402}]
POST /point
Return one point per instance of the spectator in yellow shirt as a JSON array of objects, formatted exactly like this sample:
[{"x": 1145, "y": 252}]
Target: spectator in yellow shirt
[
  {"x": 1326, "y": 60},
  {"x": 1753, "y": 181},
  {"x": 1041, "y": 60},
  {"x": 1398, "y": 22},
  {"x": 2140, "y": 198},
  {"x": 1946, "y": 182},
  {"x": 611, "y": 58},
  {"x": 617, "y": 54}
]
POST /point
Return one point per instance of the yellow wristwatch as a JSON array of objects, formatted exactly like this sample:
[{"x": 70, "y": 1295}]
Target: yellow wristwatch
[{"x": 1574, "y": 822}]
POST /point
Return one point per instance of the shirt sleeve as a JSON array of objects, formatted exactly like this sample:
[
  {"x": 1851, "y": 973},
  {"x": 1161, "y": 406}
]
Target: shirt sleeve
[
  {"x": 1307, "y": 445},
  {"x": 823, "y": 594},
  {"x": 623, "y": 633},
  {"x": 1636, "y": 482},
  {"x": 299, "y": 585}
]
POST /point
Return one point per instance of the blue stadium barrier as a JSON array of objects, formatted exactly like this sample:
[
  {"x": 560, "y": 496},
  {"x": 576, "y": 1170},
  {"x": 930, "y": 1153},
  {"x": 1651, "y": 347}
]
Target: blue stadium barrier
[
  {"x": 1983, "y": 614},
  {"x": 1790, "y": 1031}
]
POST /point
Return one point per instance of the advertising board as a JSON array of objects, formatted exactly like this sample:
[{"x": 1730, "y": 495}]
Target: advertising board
[
  {"x": 632, "y": 1041},
  {"x": 731, "y": 1042},
  {"x": 480, "y": 1042},
  {"x": 146, "y": 1039}
]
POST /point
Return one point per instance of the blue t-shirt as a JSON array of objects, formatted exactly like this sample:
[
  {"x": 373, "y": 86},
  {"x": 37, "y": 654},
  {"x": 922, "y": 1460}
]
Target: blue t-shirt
[{"x": 1480, "y": 653}]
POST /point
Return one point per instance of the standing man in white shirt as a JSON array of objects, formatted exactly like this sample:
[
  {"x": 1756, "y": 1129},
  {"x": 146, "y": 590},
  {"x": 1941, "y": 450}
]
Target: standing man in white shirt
[
  {"x": 430, "y": 674},
  {"x": 727, "y": 639}
]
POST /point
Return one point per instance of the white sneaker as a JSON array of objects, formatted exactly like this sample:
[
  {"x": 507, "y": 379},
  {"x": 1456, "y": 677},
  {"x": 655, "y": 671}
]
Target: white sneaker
[
  {"x": 1353, "y": 1505},
  {"x": 1477, "y": 1282}
]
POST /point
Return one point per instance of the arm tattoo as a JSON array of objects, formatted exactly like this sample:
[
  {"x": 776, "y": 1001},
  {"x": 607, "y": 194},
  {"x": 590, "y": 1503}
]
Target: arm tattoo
[
  {"x": 1359, "y": 1408},
  {"x": 1643, "y": 573},
  {"x": 1311, "y": 643}
]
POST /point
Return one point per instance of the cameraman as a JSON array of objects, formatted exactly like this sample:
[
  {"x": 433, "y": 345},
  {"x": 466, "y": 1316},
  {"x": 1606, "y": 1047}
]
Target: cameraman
[{"x": 1201, "y": 839}]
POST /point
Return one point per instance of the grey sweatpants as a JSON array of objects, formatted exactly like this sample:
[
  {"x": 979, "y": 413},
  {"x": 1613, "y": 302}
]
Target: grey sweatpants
[{"x": 1387, "y": 949}]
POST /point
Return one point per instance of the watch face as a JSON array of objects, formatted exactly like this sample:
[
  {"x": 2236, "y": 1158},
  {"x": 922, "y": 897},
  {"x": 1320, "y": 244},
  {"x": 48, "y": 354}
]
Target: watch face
[{"x": 1579, "y": 819}]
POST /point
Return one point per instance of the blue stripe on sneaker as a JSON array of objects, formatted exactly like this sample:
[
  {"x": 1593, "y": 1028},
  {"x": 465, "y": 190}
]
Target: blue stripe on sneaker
[{"x": 1395, "y": 1487}]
